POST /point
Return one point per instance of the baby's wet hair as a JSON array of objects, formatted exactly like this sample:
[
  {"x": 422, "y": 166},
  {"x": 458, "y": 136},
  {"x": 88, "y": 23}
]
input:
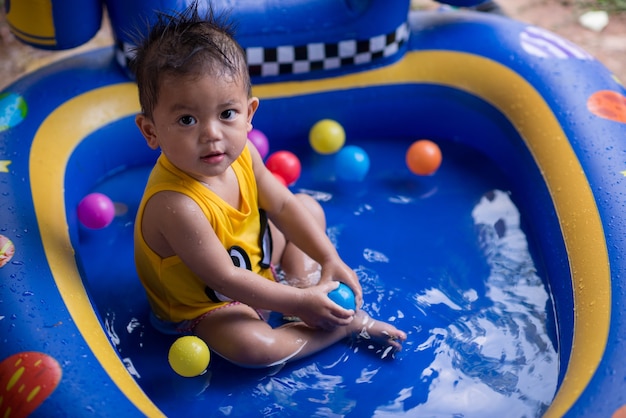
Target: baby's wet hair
[{"x": 188, "y": 43}]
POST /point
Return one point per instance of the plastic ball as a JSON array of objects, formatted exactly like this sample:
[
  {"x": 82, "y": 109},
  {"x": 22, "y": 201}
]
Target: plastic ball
[
  {"x": 96, "y": 211},
  {"x": 423, "y": 157},
  {"x": 327, "y": 136},
  {"x": 343, "y": 296},
  {"x": 260, "y": 141},
  {"x": 284, "y": 164},
  {"x": 189, "y": 356},
  {"x": 352, "y": 163}
]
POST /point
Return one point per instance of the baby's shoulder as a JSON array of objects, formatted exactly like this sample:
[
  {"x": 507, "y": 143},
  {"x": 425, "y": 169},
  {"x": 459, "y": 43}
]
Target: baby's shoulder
[{"x": 169, "y": 201}]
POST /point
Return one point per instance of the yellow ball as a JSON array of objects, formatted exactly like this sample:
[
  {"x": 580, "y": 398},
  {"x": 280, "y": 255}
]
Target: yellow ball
[
  {"x": 327, "y": 136},
  {"x": 189, "y": 356}
]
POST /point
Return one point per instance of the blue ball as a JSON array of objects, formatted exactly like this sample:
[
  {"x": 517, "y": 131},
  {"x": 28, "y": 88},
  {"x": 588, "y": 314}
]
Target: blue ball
[
  {"x": 352, "y": 163},
  {"x": 343, "y": 296}
]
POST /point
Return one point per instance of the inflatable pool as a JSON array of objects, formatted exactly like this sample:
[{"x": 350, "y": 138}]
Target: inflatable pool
[{"x": 505, "y": 267}]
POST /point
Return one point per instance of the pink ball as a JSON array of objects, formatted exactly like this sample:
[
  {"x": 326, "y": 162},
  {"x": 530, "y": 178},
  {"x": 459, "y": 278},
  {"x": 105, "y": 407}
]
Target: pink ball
[
  {"x": 96, "y": 211},
  {"x": 284, "y": 164},
  {"x": 260, "y": 141}
]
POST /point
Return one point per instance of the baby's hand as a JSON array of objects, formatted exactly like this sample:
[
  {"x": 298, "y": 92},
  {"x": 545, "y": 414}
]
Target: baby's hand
[
  {"x": 339, "y": 271},
  {"x": 319, "y": 311}
]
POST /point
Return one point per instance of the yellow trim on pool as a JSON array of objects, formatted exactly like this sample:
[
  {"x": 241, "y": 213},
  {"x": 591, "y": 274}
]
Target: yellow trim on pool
[
  {"x": 487, "y": 79},
  {"x": 54, "y": 142},
  {"x": 33, "y": 21}
]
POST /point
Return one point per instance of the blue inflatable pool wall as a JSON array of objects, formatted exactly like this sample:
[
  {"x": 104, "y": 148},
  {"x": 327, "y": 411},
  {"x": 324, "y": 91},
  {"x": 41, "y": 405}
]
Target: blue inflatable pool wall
[{"x": 532, "y": 131}]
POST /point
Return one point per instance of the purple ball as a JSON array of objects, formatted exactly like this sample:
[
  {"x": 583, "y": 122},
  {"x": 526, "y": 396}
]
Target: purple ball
[
  {"x": 96, "y": 211},
  {"x": 260, "y": 141}
]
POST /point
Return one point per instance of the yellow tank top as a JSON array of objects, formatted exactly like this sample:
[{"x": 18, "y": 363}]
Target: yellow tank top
[{"x": 175, "y": 293}]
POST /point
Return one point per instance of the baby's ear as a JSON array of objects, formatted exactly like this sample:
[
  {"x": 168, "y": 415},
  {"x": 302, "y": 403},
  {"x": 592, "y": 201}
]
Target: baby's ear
[
  {"x": 253, "y": 105},
  {"x": 146, "y": 126}
]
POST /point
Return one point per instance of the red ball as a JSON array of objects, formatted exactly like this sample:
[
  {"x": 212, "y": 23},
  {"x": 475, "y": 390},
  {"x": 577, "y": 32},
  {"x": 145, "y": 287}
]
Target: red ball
[
  {"x": 285, "y": 165},
  {"x": 423, "y": 157}
]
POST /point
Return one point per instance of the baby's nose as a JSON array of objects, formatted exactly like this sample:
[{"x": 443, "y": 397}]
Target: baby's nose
[{"x": 212, "y": 131}]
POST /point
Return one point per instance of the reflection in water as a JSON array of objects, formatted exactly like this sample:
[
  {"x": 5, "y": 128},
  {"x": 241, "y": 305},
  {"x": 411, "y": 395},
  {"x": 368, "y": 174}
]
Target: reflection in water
[
  {"x": 496, "y": 360},
  {"x": 109, "y": 325},
  {"x": 327, "y": 391}
]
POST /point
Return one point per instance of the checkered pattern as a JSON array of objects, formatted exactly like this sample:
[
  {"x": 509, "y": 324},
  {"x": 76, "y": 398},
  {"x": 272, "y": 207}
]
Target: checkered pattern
[
  {"x": 300, "y": 59},
  {"x": 289, "y": 59}
]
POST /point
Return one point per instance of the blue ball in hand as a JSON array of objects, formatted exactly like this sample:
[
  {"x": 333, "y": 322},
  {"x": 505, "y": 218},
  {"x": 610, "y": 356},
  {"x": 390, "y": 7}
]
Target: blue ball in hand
[{"x": 343, "y": 296}]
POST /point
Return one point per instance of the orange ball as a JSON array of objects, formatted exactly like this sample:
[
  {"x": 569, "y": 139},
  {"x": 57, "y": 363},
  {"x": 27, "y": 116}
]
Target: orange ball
[{"x": 423, "y": 157}]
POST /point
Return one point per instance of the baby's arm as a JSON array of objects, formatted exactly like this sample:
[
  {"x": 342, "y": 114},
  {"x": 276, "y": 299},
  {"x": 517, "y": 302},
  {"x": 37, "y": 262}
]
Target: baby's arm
[
  {"x": 188, "y": 234},
  {"x": 293, "y": 220}
]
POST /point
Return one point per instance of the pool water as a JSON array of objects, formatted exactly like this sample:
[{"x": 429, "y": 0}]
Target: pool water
[{"x": 444, "y": 257}]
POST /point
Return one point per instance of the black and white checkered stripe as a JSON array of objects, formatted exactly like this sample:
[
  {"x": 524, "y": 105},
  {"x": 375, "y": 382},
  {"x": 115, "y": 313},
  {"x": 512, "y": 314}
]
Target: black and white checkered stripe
[{"x": 290, "y": 59}]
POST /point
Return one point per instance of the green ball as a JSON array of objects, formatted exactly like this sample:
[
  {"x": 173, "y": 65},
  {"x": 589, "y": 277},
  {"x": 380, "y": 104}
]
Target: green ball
[
  {"x": 189, "y": 356},
  {"x": 327, "y": 136}
]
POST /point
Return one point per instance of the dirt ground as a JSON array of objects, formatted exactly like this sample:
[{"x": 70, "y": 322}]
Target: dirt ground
[
  {"x": 559, "y": 16},
  {"x": 562, "y": 18}
]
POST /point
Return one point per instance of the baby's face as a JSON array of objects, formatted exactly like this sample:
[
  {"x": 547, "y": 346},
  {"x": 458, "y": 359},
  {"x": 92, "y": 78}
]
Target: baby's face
[{"x": 202, "y": 122}]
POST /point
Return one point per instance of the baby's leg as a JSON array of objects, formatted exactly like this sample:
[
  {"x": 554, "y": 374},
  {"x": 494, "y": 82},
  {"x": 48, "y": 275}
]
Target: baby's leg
[
  {"x": 240, "y": 336},
  {"x": 237, "y": 334},
  {"x": 300, "y": 270}
]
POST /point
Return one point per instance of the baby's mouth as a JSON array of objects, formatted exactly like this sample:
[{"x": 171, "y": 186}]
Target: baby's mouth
[{"x": 213, "y": 157}]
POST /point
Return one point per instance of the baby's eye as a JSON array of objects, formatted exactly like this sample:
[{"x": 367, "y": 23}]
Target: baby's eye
[
  {"x": 228, "y": 114},
  {"x": 187, "y": 120}
]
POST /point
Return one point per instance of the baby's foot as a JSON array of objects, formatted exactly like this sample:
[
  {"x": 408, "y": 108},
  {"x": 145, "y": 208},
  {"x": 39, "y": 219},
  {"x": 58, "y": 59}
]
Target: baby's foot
[{"x": 365, "y": 327}]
